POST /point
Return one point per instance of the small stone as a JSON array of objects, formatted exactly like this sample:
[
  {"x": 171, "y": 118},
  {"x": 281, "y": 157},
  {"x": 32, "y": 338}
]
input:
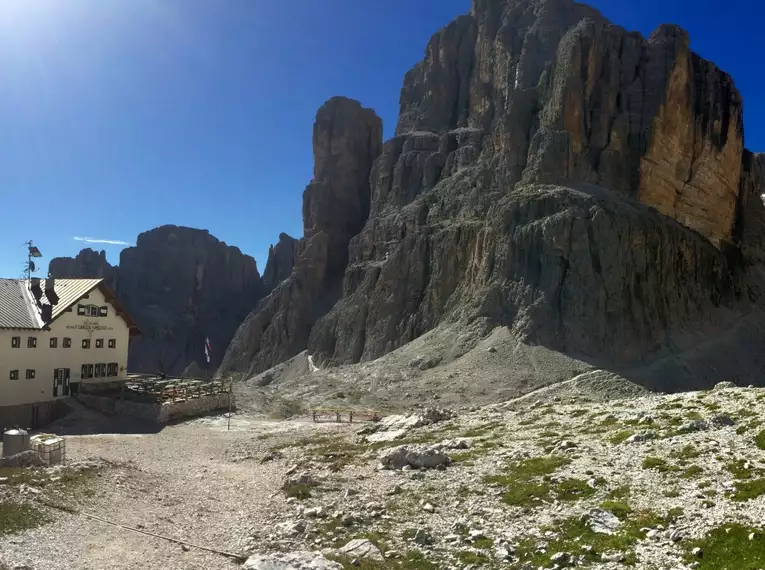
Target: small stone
[
  {"x": 560, "y": 558},
  {"x": 474, "y": 535},
  {"x": 697, "y": 551},
  {"x": 640, "y": 437},
  {"x": 751, "y": 536},
  {"x": 291, "y": 470},
  {"x": 612, "y": 556},
  {"x": 653, "y": 533},
  {"x": 724, "y": 385},
  {"x": 185, "y": 547},
  {"x": 501, "y": 553},
  {"x": 428, "y": 508},
  {"x": 675, "y": 535},
  {"x": 492, "y": 350},
  {"x": 423, "y": 537}
]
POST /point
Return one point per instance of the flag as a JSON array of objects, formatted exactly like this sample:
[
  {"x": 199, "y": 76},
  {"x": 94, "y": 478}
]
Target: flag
[{"x": 208, "y": 350}]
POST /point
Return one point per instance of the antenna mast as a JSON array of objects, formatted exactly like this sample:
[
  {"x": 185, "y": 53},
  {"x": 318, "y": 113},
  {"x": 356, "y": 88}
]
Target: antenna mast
[{"x": 32, "y": 252}]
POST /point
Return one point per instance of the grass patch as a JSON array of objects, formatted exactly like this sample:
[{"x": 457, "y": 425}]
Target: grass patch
[
  {"x": 672, "y": 492},
  {"x": 746, "y": 490},
  {"x": 759, "y": 439},
  {"x": 687, "y": 452},
  {"x": 482, "y": 429},
  {"x": 523, "y": 481},
  {"x": 483, "y": 543},
  {"x": 692, "y": 472},
  {"x": 739, "y": 469},
  {"x": 659, "y": 464},
  {"x": 470, "y": 557},
  {"x": 574, "y": 533},
  {"x": 620, "y": 492},
  {"x": 572, "y": 490},
  {"x": 618, "y": 508},
  {"x": 17, "y": 518},
  {"x": 728, "y": 547},
  {"x": 621, "y": 436}
]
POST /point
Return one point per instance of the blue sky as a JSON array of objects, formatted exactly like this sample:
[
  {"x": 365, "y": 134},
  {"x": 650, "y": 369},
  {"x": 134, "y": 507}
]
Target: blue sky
[{"x": 117, "y": 116}]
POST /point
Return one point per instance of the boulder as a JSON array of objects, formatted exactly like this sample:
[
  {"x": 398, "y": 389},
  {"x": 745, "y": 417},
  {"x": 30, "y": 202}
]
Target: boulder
[
  {"x": 413, "y": 456},
  {"x": 359, "y": 548}
]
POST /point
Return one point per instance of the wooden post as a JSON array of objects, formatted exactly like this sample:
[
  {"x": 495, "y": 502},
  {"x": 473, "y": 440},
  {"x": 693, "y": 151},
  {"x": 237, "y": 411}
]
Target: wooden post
[
  {"x": 350, "y": 416},
  {"x": 230, "y": 390}
]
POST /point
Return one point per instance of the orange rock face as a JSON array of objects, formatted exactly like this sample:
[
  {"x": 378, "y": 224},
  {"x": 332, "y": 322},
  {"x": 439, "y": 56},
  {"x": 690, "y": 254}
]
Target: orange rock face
[{"x": 692, "y": 168}]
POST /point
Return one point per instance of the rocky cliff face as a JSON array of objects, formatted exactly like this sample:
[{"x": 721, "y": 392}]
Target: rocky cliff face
[
  {"x": 580, "y": 184},
  {"x": 181, "y": 285},
  {"x": 281, "y": 261},
  {"x": 346, "y": 141},
  {"x": 85, "y": 265}
]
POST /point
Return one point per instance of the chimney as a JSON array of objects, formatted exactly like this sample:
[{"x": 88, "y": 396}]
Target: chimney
[
  {"x": 34, "y": 286},
  {"x": 47, "y": 313},
  {"x": 50, "y": 292}
]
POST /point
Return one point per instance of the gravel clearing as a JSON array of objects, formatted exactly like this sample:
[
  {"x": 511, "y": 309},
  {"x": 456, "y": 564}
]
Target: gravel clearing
[
  {"x": 191, "y": 481},
  {"x": 654, "y": 481}
]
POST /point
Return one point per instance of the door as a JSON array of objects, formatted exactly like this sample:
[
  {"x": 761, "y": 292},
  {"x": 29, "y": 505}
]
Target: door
[
  {"x": 58, "y": 382},
  {"x": 66, "y": 381}
]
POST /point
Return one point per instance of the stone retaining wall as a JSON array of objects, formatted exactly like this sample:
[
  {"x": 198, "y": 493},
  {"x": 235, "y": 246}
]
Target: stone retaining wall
[{"x": 158, "y": 413}]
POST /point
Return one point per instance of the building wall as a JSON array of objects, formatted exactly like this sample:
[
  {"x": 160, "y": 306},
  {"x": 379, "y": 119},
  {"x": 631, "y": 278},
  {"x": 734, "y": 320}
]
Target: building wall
[{"x": 44, "y": 360}]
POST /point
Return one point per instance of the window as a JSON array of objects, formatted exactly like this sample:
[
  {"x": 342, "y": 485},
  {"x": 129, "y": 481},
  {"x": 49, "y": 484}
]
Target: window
[
  {"x": 113, "y": 369},
  {"x": 32, "y": 342},
  {"x": 86, "y": 371},
  {"x": 93, "y": 311},
  {"x": 112, "y": 343},
  {"x": 67, "y": 342},
  {"x": 30, "y": 373},
  {"x": 86, "y": 343},
  {"x": 102, "y": 311},
  {"x": 53, "y": 342},
  {"x": 98, "y": 371},
  {"x": 82, "y": 310},
  {"x": 16, "y": 342},
  {"x": 90, "y": 371},
  {"x": 14, "y": 374},
  {"x": 99, "y": 343}
]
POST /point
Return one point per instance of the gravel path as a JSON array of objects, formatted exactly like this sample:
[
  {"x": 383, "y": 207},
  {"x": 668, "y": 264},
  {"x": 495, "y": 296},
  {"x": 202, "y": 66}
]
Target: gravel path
[{"x": 195, "y": 481}]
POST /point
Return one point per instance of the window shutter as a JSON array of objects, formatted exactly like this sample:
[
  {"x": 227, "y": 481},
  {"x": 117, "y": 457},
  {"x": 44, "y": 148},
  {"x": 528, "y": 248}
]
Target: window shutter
[
  {"x": 81, "y": 310},
  {"x": 102, "y": 311}
]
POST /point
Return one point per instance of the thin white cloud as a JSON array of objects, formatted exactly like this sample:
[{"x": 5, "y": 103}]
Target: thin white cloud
[{"x": 97, "y": 240}]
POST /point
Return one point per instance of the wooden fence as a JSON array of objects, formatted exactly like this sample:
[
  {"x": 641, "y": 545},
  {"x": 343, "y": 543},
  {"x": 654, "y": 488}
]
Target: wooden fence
[
  {"x": 337, "y": 415},
  {"x": 173, "y": 390}
]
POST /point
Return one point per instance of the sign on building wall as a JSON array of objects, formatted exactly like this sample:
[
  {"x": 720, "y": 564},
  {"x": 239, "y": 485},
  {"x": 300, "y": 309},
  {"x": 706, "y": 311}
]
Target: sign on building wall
[{"x": 90, "y": 326}]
